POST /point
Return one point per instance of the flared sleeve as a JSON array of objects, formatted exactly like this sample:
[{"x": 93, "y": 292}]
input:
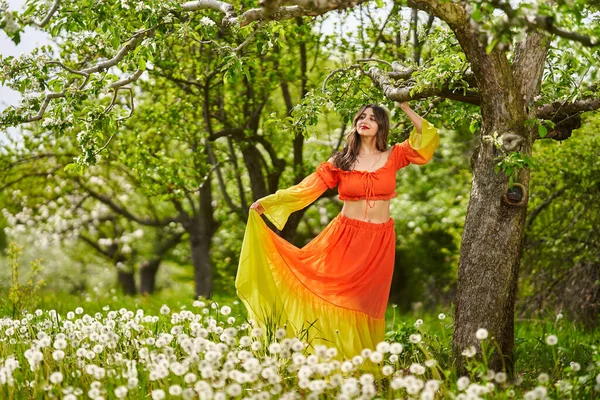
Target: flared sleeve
[
  {"x": 418, "y": 148},
  {"x": 282, "y": 203}
]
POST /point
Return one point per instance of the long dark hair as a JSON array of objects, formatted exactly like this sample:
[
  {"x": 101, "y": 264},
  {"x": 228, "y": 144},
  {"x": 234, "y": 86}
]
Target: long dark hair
[{"x": 345, "y": 158}]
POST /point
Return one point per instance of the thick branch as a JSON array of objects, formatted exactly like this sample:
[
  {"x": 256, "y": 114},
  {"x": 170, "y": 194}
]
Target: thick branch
[
  {"x": 402, "y": 93},
  {"x": 528, "y": 64},
  {"x": 559, "y": 110}
]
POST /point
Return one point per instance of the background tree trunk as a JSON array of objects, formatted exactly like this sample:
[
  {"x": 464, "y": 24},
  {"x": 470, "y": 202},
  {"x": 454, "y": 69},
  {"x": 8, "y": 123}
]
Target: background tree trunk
[
  {"x": 200, "y": 245},
  {"x": 148, "y": 272},
  {"x": 126, "y": 282}
]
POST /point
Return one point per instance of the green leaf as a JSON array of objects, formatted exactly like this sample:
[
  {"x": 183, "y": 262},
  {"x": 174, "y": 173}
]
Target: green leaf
[
  {"x": 542, "y": 130},
  {"x": 473, "y": 126},
  {"x": 115, "y": 41},
  {"x": 142, "y": 63}
]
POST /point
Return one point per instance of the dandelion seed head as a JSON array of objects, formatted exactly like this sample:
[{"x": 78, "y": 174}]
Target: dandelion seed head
[
  {"x": 462, "y": 383},
  {"x": 551, "y": 340},
  {"x": 575, "y": 366},
  {"x": 481, "y": 334},
  {"x": 387, "y": 370},
  {"x": 396, "y": 348},
  {"x": 376, "y": 357},
  {"x": 165, "y": 310},
  {"x": 56, "y": 377},
  {"x": 417, "y": 369},
  {"x": 500, "y": 377},
  {"x": 383, "y": 347},
  {"x": 469, "y": 351},
  {"x": 414, "y": 338}
]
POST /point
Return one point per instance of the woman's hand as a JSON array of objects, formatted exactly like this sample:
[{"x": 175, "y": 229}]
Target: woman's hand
[
  {"x": 256, "y": 206},
  {"x": 403, "y": 105},
  {"x": 413, "y": 116}
]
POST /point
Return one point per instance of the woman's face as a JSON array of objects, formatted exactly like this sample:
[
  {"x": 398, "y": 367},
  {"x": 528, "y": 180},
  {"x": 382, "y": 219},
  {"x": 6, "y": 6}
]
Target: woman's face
[{"x": 367, "y": 125}]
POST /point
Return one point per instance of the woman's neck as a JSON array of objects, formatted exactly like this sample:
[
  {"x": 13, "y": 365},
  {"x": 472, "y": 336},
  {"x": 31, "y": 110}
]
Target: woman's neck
[{"x": 368, "y": 146}]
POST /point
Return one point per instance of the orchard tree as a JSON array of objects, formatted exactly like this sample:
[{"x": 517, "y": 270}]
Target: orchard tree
[
  {"x": 529, "y": 70},
  {"x": 55, "y": 207}
]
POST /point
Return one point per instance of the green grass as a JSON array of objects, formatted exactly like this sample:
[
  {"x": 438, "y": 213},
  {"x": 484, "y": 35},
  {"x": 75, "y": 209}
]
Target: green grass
[{"x": 533, "y": 355}]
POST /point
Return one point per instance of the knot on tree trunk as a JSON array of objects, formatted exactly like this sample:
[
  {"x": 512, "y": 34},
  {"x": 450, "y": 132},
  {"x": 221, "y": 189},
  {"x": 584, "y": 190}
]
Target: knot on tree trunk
[{"x": 512, "y": 141}]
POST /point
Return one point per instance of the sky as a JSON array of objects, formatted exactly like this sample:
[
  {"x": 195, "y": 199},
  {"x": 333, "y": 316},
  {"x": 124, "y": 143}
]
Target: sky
[{"x": 29, "y": 41}]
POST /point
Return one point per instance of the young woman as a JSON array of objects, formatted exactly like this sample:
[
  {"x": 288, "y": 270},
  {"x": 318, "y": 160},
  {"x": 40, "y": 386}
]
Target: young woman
[{"x": 334, "y": 290}]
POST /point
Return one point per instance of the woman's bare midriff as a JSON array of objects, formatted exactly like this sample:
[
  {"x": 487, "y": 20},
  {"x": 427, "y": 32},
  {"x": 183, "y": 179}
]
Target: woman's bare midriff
[{"x": 355, "y": 209}]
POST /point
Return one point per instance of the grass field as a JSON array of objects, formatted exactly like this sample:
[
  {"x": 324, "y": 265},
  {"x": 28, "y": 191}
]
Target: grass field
[{"x": 105, "y": 346}]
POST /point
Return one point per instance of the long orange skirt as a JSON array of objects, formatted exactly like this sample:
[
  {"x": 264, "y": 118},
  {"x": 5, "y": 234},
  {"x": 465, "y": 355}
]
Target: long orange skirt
[{"x": 333, "y": 291}]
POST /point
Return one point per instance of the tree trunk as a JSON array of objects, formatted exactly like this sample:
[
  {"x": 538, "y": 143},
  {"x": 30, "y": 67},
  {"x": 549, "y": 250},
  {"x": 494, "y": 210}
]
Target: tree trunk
[
  {"x": 489, "y": 263},
  {"x": 492, "y": 237},
  {"x": 148, "y": 271},
  {"x": 201, "y": 229},
  {"x": 200, "y": 245},
  {"x": 126, "y": 282}
]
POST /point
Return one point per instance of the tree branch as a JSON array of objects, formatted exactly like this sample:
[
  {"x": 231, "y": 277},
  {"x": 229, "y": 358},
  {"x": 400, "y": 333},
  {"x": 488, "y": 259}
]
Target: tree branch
[
  {"x": 402, "y": 93},
  {"x": 122, "y": 211},
  {"x": 559, "y": 110},
  {"x": 49, "y": 15},
  {"x": 543, "y": 22}
]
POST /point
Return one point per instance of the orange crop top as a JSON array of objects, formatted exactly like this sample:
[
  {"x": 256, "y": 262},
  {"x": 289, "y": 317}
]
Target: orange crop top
[{"x": 355, "y": 184}]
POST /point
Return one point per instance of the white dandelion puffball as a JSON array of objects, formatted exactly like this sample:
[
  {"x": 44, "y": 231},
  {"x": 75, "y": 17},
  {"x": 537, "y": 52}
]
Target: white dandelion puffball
[
  {"x": 442, "y": 316},
  {"x": 432, "y": 385},
  {"x": 469, "y": 351},
  {"x": 462, "y": 383},
  {"x": 383, "y": 347},
  {"x": 56, "y": 377},
  {"x": 396, "y": 348},
  {"x": 500, "y": 377},
  {"x": 387, "y": 370},
  {"x": 418, "y": 323},
  {"x": 575, "y": 366},
  {"x": 158, "y": 394},
  {"x": 175, "y": 390},
  {"x": 551, "y": 340},
  {"x": 164, "y": 310},
  {"x": 543, "y": 377},
  {"x": 280, "y": 333},
  {"x": 225, "y": 310},
  {"x": 120, "y": 392},
  {"x": 417, "y": 369},
  {"x": 376, "y": 357},
  {"x": 415, "y": 338},
  {"x": 481, "y": 334}
]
